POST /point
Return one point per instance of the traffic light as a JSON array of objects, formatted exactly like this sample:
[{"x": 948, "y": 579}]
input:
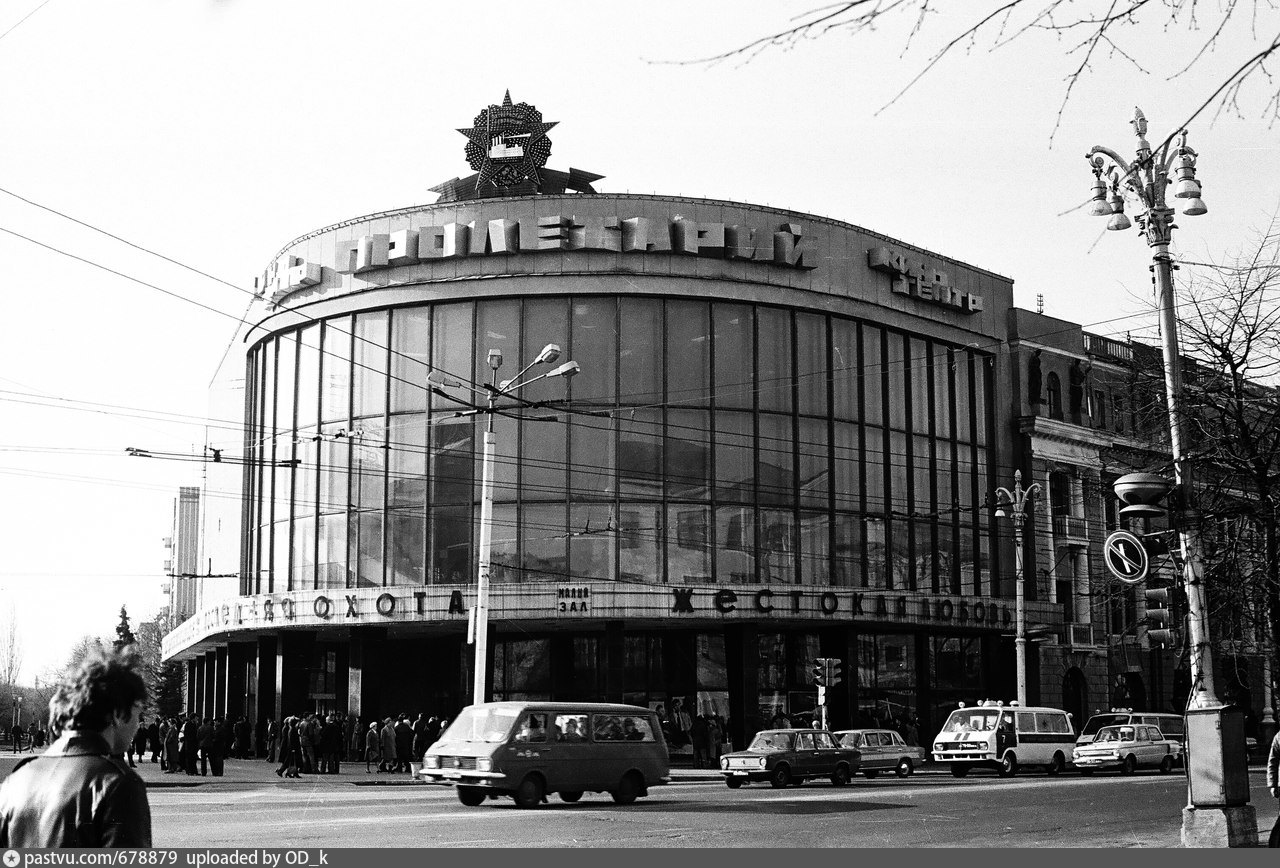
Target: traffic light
[
  {"x": 833, "y": 671},
  {"x": 1164, "y": 616},
  {"x": 820, "y": 671}
]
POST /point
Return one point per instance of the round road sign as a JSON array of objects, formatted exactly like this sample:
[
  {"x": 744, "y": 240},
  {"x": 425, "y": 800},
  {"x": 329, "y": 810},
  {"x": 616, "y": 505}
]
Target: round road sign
[{"x": 1126, "y": 557}]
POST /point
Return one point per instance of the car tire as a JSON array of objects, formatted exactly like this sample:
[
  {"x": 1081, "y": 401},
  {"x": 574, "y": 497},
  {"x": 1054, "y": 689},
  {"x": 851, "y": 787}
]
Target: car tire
[
  {"x": 840, "y": 777},
  {"x": 531, "y": 792},
  {"x": 1056, "y": 767},
  {"x": 570, "y": 796},
  {"x": 781, "y": 776},
  {"x": 628, "y": 789},
  {"x": 1129, "y": 766},
  {"x": 905, "y": 768},
  {"x": 733, "y": 783},
  {"x": 1166, "y": 765},
  {"x": 472, "y": 797},
  {"x": 1009, "y": 765},
  {"x": 959, "y": 770},
  {"x": 871, "y": 773}
]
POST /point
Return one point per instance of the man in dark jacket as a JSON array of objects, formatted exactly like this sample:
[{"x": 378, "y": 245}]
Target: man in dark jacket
[
  {"x": 404, "y": 743},
  {"x": 81, "y": 792},
  {"x": 153, "y": 736}
]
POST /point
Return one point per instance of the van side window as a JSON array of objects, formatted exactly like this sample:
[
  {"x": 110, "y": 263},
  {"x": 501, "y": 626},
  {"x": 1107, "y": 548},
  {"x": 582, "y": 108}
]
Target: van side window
[
  {"x": 636, "y": 729},
  {"x": 606, "y": 727},
  {"x": 533, "y": 728},
  {"x": 571, "y": 727},
  {"x": 1026, "y": 721}
]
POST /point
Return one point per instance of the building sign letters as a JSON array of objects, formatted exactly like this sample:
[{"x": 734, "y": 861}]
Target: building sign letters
[
  {"x": 783, "y": 245},
  {"x": 919, "y": 279}
]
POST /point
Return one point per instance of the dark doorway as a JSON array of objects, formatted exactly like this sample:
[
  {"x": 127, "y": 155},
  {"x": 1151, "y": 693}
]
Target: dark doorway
[{"x": 1075, "y": 697}]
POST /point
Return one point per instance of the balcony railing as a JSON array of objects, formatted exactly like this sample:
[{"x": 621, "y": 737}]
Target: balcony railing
[
  {"x": 1072, "y": 526},
  {"x": 1080, "y": 634},
  {"x": 1100, "y": 346}
]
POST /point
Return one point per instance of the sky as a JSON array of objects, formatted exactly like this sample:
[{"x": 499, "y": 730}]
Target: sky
[{"x": 213, "y": 133}]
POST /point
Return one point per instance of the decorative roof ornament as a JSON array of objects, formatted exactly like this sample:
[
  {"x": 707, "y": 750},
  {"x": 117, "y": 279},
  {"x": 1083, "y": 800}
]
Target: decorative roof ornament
[{"x": 507, "y": 145}]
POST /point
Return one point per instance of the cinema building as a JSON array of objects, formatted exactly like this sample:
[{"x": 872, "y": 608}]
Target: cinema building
[{"x": 780, "y": 445}]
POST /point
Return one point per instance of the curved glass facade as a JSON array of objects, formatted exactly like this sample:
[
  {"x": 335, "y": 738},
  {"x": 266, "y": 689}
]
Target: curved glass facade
[{"x": 703, "y": 442}]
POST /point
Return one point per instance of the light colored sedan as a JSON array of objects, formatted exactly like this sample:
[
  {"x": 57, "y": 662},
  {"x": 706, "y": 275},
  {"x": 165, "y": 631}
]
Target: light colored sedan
[
  {"x": 1128, "y": 748},
  {"x": 883, "y": 750}
]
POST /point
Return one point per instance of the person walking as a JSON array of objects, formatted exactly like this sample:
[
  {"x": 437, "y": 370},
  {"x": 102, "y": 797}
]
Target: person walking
[
  {"x": 153, "y": 738},
  {"x": 190, "y": 739},
  {"x": 273, "y": 740},
  {"x": 387, "y": 762},
  {"x": 330, "y": 745},
  {"x": 404, "y": 743},
  {"x": 420, "y": 729},
  {"x": 1273, "y": 784},
  {"x": 204, "y": 743},
  {"x": 700, "y": 735},
  {"x": 307, "y": 738},
  {"x": 17, "y": 732},
  {"x": 172, "y": 763},
  {"x": 372, "y": 747},
  {"x": 240, "y": 745},
  {"x": 78, "y": 793}
]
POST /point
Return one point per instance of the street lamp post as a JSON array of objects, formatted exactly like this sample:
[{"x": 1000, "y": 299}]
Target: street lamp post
[
  {"x": 1143, "y": 181},
  {"x": 1017, "y": 502},
  {"x": 478, "y": 632}
]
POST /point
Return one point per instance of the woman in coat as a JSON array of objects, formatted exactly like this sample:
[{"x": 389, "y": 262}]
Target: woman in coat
[{"x": 388, "y": 762}]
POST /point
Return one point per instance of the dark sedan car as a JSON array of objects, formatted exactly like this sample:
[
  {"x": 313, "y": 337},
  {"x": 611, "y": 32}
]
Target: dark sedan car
[{"x": 790, "y": 756}]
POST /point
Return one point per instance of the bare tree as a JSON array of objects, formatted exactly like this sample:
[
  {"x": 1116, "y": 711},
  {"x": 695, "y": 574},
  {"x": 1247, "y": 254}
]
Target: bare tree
[
  {"x": 10, "y": 651},
  {"x": 1093, "y": 32}
]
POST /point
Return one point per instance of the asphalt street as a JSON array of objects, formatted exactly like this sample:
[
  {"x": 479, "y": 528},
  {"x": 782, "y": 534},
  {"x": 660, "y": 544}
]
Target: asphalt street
[{"x": 250, "y": 807}]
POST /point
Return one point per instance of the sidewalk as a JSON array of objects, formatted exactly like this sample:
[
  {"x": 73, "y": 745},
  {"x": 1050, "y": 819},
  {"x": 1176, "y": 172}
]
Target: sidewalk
[{"x": 240, "y": 772}]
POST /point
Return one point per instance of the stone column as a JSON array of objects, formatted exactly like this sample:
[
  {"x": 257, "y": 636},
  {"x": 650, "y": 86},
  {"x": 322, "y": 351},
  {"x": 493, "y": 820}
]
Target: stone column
[
  {"x": 742, "y": 662},
  {"x": 220, "y": 677}
]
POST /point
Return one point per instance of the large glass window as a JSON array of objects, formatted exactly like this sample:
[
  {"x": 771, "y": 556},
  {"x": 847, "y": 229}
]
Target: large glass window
[
  {"x": 688, "y": 335},
  {"x": 735, "y": 352},
  {"x": 595, "y": 348},
  {"x": 640, "y": 351},
  {"x": 410, "y": 359},
  {"x": 773, "y": 359},
  {"x": 734, "y": 444}
]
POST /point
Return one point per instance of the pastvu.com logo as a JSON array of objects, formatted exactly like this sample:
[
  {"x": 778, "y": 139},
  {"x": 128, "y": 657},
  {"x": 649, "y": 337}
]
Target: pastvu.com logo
[{"x": 11, "y": 859}]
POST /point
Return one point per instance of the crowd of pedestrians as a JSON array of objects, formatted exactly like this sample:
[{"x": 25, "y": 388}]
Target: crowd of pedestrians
[{"x": 319, "y": 744}]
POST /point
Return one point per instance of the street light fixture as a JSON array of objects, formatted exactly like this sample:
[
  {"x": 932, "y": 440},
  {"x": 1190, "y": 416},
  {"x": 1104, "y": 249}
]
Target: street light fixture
[
  {"x": 1017, "y": 503},
  {"x": 478, "y": 632},
  {"x": 1144, "y": 181}
]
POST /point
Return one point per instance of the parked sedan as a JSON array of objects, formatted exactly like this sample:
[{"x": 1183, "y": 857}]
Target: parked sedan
[
  {"x": 1128, "y": 748},
  {"x": 883, "y": 750},
  {"x": 791, "y": 756}
]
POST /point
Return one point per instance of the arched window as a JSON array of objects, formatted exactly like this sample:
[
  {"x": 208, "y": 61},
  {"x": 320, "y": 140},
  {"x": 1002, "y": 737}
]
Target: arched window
[{"x": 1053, "y": 386}]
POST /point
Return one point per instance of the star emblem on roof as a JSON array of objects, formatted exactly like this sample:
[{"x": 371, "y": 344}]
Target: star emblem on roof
[{"x": 507, "y": 144}]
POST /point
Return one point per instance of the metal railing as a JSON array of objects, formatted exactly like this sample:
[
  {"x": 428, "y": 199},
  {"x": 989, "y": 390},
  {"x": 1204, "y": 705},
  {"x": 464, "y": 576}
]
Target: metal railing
[
  {"x": 1070, "y": 526},
  {"x": 1100, "y": 346},
  {"x": 1080, "y": 634}
]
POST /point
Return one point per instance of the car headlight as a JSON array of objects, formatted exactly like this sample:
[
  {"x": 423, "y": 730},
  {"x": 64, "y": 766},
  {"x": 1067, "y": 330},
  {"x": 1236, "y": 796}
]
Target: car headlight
[
  {"x": 763, "y": 761},
  {"x": 484, "y": 764},
  {"x": 724, "y": 762},
  {"x": 431, "y": 762},
  {"x": 938, "y": 745}
]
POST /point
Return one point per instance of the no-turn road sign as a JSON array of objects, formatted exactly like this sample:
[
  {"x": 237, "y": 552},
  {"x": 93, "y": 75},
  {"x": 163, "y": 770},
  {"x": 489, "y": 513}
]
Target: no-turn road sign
[{"x": 1126, "y": 557}]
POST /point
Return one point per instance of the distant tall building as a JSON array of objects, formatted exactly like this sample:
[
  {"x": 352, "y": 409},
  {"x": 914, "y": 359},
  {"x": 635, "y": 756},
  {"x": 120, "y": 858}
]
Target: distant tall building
[{"x": 184, "y": 557}]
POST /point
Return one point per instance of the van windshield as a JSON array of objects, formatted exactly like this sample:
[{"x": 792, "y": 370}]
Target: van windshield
[
  {"x": 491, "y": 725},
  {"x": 973, "y": 719},
  {"x": 1098, "y": 721}
]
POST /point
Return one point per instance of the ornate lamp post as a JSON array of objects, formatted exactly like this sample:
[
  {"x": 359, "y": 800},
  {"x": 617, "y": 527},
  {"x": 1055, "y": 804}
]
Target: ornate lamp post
[
  {"x": 479, "y": 625},
  {"x": 1217, "y": 813},
  {"x": 1144, "y": 181},
  {"x": 1016, "y": 503}
]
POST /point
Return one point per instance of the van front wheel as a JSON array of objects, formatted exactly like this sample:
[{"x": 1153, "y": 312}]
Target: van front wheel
[
  {"x": 472, "y": 797},
  {"x": 531, "y": 792},
  {"x": 570, "y": 795},
  {"x": 958, "y": 770},
  {"x": 1009, "y": 765}
]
